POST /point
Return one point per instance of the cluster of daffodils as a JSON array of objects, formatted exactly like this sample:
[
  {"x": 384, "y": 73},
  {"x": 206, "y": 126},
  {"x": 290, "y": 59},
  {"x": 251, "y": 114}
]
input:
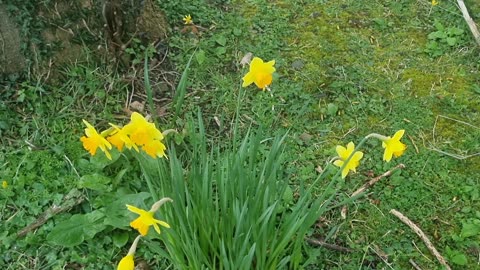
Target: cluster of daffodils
[
  {"x": 392, "y": 145},
  {"x": 142, "y": 225},
  {"x": 139, "y": 133}
]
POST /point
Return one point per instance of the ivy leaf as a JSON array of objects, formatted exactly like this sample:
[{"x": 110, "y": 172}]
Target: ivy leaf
[{"x": 77, "y": 229}]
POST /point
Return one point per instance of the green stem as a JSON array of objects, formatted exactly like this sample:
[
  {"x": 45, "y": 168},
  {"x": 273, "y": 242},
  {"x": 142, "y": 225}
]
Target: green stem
[
  {"x": 148, "y": 89},
  {"x": 237, "y": 117},
  {"x": 147, "y": 178},
  {"x": 337, "y": 176}
]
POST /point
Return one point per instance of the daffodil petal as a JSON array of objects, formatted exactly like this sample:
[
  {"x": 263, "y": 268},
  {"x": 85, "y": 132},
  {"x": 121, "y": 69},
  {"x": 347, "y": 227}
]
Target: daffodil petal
[
  {"x": 398, "y": 135},
  {"x": 135, "y": 210},
  {"x": 247, "y": 79},
  {"x": 387, "y": 155},
  {"x": 338, "y": 163},
  {"x": 163, "y": 223},
  {"x": 341, "y": 151}
]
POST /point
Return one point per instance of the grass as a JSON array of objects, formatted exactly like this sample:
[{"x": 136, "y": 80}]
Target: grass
[{"x": 344, "y": 69}]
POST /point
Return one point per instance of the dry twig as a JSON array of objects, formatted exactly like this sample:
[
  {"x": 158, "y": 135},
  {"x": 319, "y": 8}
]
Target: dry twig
[
  {"x": 469, "y": 20},
  {"x": 414, "y": 265},
  {"x": 422, "y": 235},
  {"x": 73, "y": 198},
  {"x": 322, "y": 243},
  {"x": 368, "y": 185},
  {"x": 375, "y": 180}
]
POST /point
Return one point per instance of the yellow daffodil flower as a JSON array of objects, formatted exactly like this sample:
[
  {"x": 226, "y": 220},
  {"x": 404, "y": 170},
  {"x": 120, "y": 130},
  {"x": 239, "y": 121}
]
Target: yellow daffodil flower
[
  {"x": 127, "y": 263},
  {"x": 393, "y": 146},
  {"x": 188, "y": 19},
  {"x": 434, "y": 2},
  {"x": 93, "y": 140},
  {"x": 145, "y": 134},
  {"x": 343, "y": 154},
  {"x": 4, "y": 184},
  {"x": 146, "y": 219},
  {"x": 260, "y": 73},
  {"x": 119, "y": 138},
  {"x": 155, "y": 149}
]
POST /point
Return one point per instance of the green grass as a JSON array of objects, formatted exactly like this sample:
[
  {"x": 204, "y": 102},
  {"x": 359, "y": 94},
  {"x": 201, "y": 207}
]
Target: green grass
[{"x": 344, "y": 69}]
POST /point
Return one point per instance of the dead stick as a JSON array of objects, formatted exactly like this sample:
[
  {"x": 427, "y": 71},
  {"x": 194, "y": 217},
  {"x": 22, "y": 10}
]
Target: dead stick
[
  {"x": 422, "y": 235},
  {"x": 375, "y": 180},
  {"x": 469, "y": 20},
  {"x": 414, "y": 265},
  {"x": 322, "y": 243},
  {"x": 72, "y": 199},
  {"x": 370, "y": 183}
]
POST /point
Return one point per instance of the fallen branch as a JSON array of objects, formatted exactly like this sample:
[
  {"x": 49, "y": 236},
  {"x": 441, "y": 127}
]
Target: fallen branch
[
  {"x": 322, "y": 243},
  {"x": 367, "y": 185},
  {"x": 375, "y": 180},
  {"x": 469, "y": 20},
  {"x": 422, "y": 235},
  {"x": 73, "y": 198},
  {"x": 414, "y": 265}
]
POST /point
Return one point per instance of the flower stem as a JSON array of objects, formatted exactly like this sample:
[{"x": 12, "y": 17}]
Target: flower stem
[
  {"x": 133, "y": 247},
  {"x": 237, "y": 117},
  {"x": 377, "y": 136},
  {"x": 157, "y": 205}
]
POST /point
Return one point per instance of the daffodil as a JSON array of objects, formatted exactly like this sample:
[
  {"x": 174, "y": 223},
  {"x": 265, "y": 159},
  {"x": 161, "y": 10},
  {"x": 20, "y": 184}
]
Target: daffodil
[
  {"x": 188, "y": 19},
  {"x": 393, "y": 146},
  {"x": 146, "y": 219},
  {"x": 434, "y": 2},
  {"x": 120, "y": 137},
  {"x": 260, "y": 73},
  {"x": 93, "y": 140},
  {"x": 343, "y": 154},
  {"x": 127, "y": 263},
  {"x": 145, "y": 134},
  {"x": 155, "y": 149}
]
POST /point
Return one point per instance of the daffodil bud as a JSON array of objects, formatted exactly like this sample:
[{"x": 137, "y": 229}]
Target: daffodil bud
[{"x": 127, "y": 262}]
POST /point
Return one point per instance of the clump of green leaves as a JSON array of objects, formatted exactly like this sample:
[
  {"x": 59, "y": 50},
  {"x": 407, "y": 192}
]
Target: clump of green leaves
[
  {"x": 232, "y": 208},
  {"x": 444, "y": 38}
]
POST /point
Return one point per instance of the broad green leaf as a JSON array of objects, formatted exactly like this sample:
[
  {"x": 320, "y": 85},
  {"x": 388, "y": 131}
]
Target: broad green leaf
[
  {"x": 470, "y": 229},
  {"x": 220, "y": 51},
  {"x": 221, "y": 40},
  {"x": 94, "y": 181},
  {"x": 451, "y": 41},
  {"x": 459, "y": 259},
  {"x": 100, "y": 161},
  {"x": 120, "y": 239},
  {"x": 200, "y": 56},
  {"x": 77, "y": 229},
  {"x": 237, "y": 31},
  {"x": 332, "y": 109},
  {"x": 116, "y": 212}
]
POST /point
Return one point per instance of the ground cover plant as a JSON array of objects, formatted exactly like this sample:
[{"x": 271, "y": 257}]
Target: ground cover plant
[{"x": 343, "y": 70}]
